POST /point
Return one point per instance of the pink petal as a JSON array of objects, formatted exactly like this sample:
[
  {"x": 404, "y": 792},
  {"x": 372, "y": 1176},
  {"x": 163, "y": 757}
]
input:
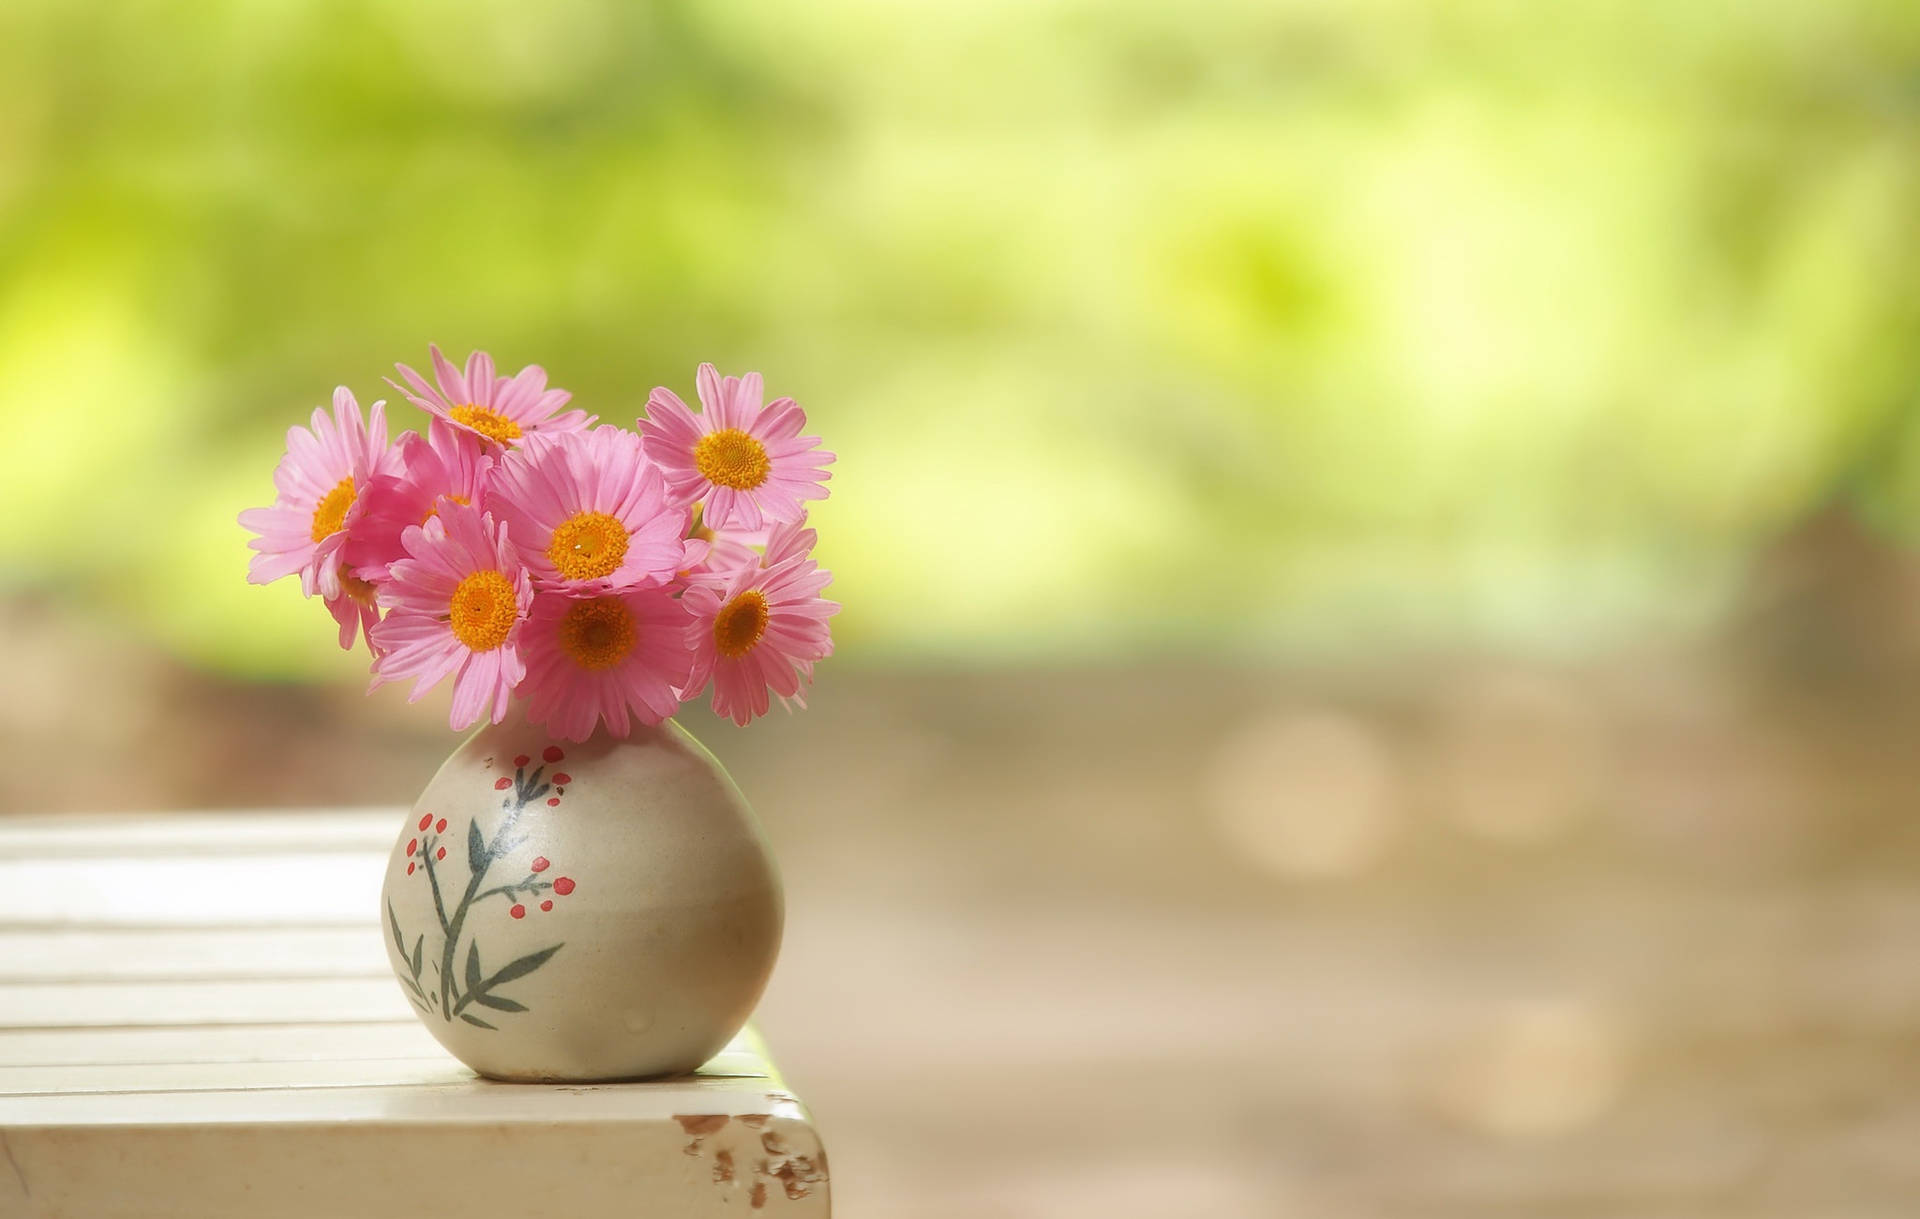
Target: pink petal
[
  {"x": 480, "y": 378},
  {"x": 453, "y": 386}
]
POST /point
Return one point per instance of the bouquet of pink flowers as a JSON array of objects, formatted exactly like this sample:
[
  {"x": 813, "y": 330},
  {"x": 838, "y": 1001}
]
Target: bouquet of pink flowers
[{"x": 604, "y": 575}]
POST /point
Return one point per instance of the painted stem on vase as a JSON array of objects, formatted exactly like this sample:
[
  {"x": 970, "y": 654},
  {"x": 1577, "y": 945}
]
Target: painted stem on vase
[{"x": 455, "y": 993}]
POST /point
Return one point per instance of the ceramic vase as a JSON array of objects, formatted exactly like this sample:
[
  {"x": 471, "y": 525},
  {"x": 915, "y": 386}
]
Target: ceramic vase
[{"x": 576, "y": 912}]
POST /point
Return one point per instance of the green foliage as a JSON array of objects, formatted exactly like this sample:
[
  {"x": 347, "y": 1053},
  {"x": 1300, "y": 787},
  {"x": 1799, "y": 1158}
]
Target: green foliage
[{"x": 1134, "y": 324}]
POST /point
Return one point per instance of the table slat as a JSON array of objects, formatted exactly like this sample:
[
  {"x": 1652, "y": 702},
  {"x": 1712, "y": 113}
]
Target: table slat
[
  {"x": 197, "y": 1021},
  {"x": 190, "y": 954}
]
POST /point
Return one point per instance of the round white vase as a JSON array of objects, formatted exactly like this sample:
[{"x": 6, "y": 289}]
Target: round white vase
[{"x": 597, "y": 911}]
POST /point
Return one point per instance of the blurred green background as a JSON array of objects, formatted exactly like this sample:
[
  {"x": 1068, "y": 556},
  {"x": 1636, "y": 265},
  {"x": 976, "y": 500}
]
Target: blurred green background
[{"x": 1241, "y": 328}]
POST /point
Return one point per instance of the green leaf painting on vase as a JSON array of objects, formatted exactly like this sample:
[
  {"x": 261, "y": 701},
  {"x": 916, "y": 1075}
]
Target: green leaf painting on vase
[{"x": 473, "y": 984}]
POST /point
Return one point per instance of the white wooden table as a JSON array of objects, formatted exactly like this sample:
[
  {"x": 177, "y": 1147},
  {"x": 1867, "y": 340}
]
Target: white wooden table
[{"x": 197, "y": 1020}]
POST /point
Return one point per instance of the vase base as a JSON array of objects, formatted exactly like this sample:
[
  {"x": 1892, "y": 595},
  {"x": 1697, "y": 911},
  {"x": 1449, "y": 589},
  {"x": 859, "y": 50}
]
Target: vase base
[{"x": 511, "y": 1077}]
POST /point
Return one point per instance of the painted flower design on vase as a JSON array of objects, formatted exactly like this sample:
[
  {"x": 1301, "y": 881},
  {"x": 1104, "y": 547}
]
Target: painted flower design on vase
[{"x": 450, "y": 993}]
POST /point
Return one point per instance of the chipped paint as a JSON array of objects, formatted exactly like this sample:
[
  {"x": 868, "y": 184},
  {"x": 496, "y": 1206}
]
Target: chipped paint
[
  {"x": 698, "y": 1126},
  {"x": 797, "y": 1174}
]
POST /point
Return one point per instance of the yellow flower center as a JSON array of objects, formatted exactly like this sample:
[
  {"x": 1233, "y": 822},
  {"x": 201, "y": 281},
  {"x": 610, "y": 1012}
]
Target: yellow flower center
[
  {"x": 740, "y": 623},
  {"x": 483, "y": 610},
  {"x": 331, "y": 511},
  {"x": 598, "y": 634},
  {"x": 731, "y": 458},
  {"x": 360, "y": 590},
  {"x": 588, "y": 545},
  {"x": 487, "y": 421},
  {"x": 435, "y": 510}
]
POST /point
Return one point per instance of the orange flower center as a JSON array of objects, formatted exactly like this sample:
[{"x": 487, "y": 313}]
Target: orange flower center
[
  {"x": 487, "y": 421},
  {"x": 731, "y": 458},
  {"x": 483, "y": 610},
  {"x": 740, "y": 623},
  {"x": 360, "y": 590},
  {"x": 435, "y": 510},
  {"x": 588, "y": 545},
  {"x": 598, "y": 634},
  {"x": 331, "y": 511}
]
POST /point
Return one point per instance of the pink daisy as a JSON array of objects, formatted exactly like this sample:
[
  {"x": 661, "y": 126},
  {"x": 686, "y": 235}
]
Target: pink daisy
[
  {"x": 788, "y": 541},
  {"x": 319, "y": 481},
  {"x": 356, "y": 609},
  {"x": 594, "y": 659},
  {"x": 731, "y": 549},
  {"x": 749, "y": 462},
  {"x": 455, "y": 606},
  {"x": 447, "y": 464},
  {"x": 715, "y": 554},
  {"x": 590, "y": 513},
  {"x": 762, "y": 631},
  {"x": 504, "y": 410}
]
